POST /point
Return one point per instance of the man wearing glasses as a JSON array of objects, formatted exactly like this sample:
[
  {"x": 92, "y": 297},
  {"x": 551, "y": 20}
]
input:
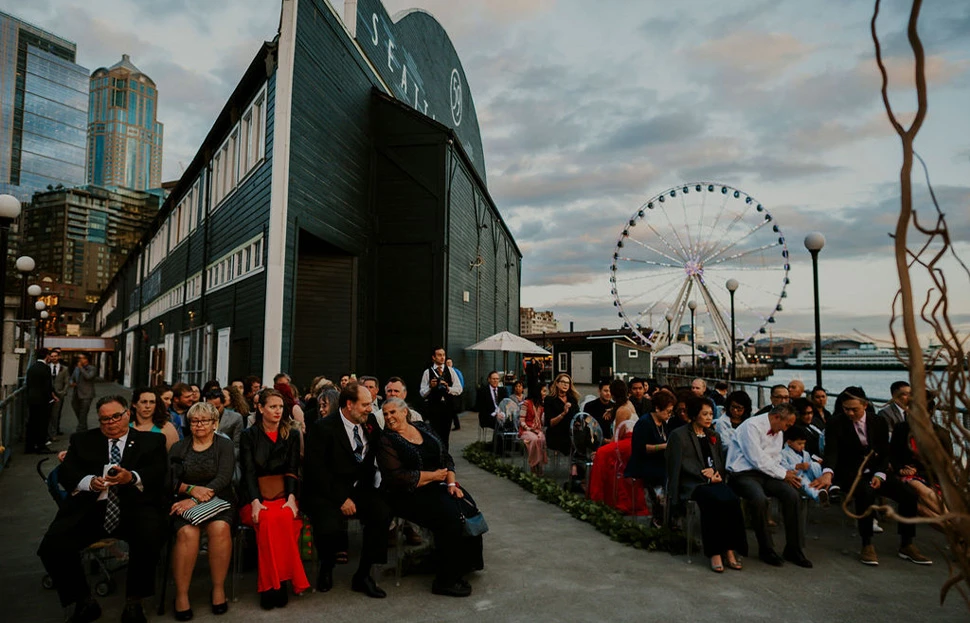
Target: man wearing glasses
[{"x": 115, "y": 478}]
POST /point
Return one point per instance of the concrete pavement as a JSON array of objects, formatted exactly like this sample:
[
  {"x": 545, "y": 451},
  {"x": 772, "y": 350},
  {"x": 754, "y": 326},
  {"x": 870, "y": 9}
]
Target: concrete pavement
[{"x": 541, "y": 565}]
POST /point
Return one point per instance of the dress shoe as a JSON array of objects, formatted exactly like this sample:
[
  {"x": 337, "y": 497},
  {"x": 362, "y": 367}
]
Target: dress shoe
[
  {"x": 183, "y": 615},
  {"x": 455, "y": 589},
  {"x": 283, "y": 595},
  {"x": 771, "y": 557},
  {"x": 133, "y": 613},
  {"x": 796, "y": 557},
  {"x": 85, "y": 612},
  {"x": 368, "y": 586},
  {"x": 267, "y": 599},
  {"x": 325, "y": 580},
  {"x": 910, "y": 553}
]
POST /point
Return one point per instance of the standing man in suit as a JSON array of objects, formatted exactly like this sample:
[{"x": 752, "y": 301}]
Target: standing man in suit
[
  {"x": 849, "y": 437},
  {"x": 82, "y": 380},
  {"x": 895, "y": 412},
  {"x": 40, "y": 397},
  {"x": 62, "y": 380},
  {"x": 116, "y": 483},
  {"x": 438, "y": 384},
  {"x": 340, "y": 480}
]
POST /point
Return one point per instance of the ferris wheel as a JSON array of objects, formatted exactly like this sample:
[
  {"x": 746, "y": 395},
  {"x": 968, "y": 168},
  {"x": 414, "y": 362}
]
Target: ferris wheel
[{"x": 681, "y": 248}]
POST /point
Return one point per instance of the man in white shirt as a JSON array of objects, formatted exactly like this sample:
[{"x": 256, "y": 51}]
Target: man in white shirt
[
  {"x": 396, "y": 388},
  {"x": 439, "y": 384},
  {"x": 754, "y": 460}
]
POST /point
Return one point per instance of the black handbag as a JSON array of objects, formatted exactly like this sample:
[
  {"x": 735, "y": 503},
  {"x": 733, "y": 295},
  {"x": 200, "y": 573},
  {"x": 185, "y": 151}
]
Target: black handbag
[{"x": 472, "y": 520}]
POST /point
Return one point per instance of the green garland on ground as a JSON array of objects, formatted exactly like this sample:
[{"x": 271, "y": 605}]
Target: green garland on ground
[{"x": 607, "y": 520}]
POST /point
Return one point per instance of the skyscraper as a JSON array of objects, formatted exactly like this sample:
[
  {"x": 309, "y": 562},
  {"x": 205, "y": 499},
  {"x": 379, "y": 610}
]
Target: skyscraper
[
  {"x": 124, "y": 138},
  {"x": 43, "y": 110}
]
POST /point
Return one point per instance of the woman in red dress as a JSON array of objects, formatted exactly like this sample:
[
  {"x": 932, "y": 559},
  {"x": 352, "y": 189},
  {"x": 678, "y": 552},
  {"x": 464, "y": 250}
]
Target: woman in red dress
[
  {"x": 270, "y": 457},
  {"x": 530, "y": 429}
]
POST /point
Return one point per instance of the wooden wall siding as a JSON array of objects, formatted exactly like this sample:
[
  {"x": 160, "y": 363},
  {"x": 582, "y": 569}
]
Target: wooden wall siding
[
  {"x": 240, "y": 306},
  {"x": 325, "y": 312},
  {"x": 475, "y": 237},
  {"x": 331, "y": 145}
]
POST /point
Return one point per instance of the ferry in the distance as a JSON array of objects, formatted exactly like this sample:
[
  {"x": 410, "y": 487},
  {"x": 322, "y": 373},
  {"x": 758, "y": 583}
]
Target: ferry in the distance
[{"x": 866, "y": 357}]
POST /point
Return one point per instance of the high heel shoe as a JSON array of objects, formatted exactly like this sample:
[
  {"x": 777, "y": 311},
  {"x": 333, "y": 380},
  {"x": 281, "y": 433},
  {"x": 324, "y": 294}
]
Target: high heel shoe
[
  {"x": 182, "y": 615},
  {"x": 219, "y": 608}
]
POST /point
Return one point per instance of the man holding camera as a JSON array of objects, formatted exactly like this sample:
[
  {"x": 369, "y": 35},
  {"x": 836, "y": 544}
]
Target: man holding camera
[{"x": 438, "y": 384}]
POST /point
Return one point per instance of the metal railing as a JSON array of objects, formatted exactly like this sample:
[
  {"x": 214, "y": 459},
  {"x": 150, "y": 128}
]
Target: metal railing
[{"x": 13, "y": 417}]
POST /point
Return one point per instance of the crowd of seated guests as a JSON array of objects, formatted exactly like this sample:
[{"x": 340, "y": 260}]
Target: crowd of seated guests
[
  {"x": 214, "y": 458},
  {"x": 794, "y": 449}
]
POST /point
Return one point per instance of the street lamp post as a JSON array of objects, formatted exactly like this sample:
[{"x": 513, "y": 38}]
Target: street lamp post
[
  {"x": 693, "y": 353},
  {"x": 732, "y": 286},
  {"x": 41, "y": 308},
  {"x": 44, "y": 315},
  {"x": 9, "y": 211},
  {"x": 814, "y": 243},
  {"x": 25, "y": 265},
  {"x": 669, "y": 318}
]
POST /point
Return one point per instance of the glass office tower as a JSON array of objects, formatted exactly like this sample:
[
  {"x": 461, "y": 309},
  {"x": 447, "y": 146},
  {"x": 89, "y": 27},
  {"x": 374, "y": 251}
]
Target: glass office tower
[
  {"x": 43, "y": 110},
  {"x": 124, "y": 137}
]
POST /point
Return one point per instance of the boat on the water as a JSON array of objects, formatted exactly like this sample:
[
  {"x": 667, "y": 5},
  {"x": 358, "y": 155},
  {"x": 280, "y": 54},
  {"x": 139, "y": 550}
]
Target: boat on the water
[{"x": 867, "y": 356}]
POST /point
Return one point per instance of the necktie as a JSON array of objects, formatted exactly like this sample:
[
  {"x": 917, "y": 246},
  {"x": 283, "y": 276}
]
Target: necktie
[
  {"x": 860, "y": 429},
  {"x": 440, "y": 370},
  {"x": 53, "y": 369},
  {"x": 494, "y": 396},
  {"x": 112, "y": 514},
  {"x": 358, "y": 445}
]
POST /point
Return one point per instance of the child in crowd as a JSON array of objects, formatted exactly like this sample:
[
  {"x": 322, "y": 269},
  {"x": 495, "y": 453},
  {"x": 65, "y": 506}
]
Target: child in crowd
[{"x": 794, "y": 457}]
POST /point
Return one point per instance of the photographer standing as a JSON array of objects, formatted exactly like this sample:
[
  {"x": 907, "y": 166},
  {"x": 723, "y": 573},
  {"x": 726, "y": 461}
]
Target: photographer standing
[{"x": 438, "y": 384}]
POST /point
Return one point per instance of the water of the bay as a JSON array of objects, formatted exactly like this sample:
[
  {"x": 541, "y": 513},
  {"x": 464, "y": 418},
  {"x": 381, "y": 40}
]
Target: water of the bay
[{"x": 875, "y": 382}]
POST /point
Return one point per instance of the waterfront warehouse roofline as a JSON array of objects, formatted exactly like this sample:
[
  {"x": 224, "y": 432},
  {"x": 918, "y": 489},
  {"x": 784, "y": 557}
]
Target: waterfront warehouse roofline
[
  {"x": 457, "y": 144},
  {"x": 262, "y": 66}
]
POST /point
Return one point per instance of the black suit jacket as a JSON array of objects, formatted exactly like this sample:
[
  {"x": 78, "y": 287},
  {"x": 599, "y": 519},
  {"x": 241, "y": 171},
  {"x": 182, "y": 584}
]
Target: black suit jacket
[
  {"x": 87, "y": 455},
  {"x": 685, "y": 462},
  {"x": 484, "y": 406},
  {"x": 844, "y": 452},
  {"x": 40, "y": 385},
  {"x": 330, "y": 468}
]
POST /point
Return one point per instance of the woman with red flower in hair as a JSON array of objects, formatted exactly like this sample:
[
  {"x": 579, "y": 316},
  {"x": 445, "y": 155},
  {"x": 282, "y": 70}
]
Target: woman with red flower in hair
[{"x": 695, "y": 471}]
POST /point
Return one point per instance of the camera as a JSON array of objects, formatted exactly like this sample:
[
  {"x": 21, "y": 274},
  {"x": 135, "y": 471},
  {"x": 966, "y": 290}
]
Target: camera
[{"x": 112, "y": 472}]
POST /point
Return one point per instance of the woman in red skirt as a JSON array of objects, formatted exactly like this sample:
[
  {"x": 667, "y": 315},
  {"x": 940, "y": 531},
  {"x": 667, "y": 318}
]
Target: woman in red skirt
[{"x": 269, "y": 454}]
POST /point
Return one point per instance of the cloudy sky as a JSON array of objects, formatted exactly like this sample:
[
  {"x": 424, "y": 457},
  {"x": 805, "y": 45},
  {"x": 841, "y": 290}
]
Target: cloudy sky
[{"x": 590, "y": 109}]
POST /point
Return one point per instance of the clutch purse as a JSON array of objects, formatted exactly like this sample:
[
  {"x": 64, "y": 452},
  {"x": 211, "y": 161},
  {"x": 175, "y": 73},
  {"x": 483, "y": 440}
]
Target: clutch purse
[{"x": 204, "y": 511}]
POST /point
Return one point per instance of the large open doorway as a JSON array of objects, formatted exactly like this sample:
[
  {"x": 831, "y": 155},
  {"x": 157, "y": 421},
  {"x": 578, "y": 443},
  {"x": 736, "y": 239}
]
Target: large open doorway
[{"x": 325, "y": 311}]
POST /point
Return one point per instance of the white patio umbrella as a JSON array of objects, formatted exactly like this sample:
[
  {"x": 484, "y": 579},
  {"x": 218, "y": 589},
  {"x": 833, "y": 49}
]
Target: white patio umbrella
[{"x": 509, "y": 343}]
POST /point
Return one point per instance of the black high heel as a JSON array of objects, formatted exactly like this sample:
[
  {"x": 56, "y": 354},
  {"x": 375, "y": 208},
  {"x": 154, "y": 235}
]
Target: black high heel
[
  {"x": 182, "y": 615},
  {"x": 219, "y": 608}
]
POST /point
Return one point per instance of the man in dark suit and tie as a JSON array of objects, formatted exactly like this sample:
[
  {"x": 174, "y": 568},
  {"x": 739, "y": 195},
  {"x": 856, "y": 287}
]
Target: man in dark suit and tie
[
  {"x": 489, "y": 398},
  {"x": 62, "y": 379},
  {"x": 849, "y": 437},
  {"x": 116, "y": 483},
  {"x": 340, "y": 480},
  {"x": 40, "y": 397}
]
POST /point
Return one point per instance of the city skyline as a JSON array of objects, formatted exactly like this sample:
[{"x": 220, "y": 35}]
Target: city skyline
[{"x": 578, "y": 134}]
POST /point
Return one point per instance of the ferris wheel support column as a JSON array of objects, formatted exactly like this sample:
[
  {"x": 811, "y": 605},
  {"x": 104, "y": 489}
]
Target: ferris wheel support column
[{"x": 720, "y": 327}]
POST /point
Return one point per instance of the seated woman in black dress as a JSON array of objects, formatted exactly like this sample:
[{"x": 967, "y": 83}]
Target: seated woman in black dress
[
  {"x": 419, "y": 477},
  {"x": 695, "y": 471},
  {"x": 202, "y": 466},
  {"x": 647, "y": 459}
]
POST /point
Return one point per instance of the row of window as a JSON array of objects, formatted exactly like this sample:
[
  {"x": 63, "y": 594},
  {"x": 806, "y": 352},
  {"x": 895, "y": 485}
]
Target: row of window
[
  {"x": 243, "y": 149},
  {"x": 238, "y": 264}
]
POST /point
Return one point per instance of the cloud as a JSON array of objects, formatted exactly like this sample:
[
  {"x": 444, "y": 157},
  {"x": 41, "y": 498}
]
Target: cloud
[
  {"x": 663, "y": 128},
  {"x": 748, "y": 56}
]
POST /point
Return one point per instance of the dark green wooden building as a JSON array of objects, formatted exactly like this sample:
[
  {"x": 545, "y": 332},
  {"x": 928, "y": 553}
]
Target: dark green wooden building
[{"x": 336, "y": 218}]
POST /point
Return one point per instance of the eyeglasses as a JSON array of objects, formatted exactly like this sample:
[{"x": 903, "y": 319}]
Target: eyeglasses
[
  {"x": 112, "y": 418},
  {"x": 201, "y": 422}
]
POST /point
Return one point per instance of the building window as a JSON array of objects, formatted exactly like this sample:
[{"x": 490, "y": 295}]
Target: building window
[{"x": 563, "y": 362}]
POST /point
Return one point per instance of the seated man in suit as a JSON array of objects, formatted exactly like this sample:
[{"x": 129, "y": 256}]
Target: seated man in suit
[
  {"x": 488, "y": 399},
  {"x": 849, "y": 437},
  {"x": 754, "y": 460},
  {"x": 895, "y": 412},
  {"x": 126, "y": 500},
  {"x": 340, "y": 480}
]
